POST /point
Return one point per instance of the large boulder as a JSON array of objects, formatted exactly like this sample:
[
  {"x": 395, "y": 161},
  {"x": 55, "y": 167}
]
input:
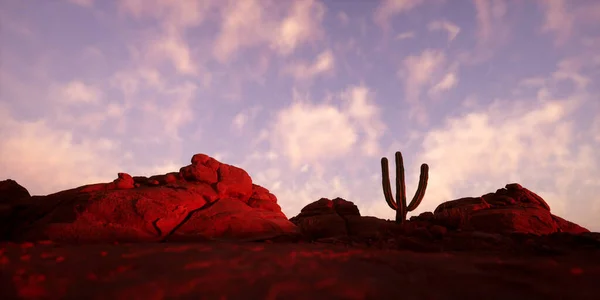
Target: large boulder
[
  {"x": 336, "y": 218},
  {"x": 13, "y": 196},
  {"x": 513, "y": 209},
  {"x": 205, "y": 200},
  {"x": 11, "y": 192}
]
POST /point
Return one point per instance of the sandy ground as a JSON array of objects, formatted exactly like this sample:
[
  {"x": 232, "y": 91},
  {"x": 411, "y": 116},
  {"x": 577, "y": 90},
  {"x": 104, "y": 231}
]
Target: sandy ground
[{"x": 286, "y": 271}]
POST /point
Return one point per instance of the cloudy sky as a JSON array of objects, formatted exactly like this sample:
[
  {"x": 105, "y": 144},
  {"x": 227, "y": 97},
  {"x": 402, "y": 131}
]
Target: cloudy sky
[{"x": 308, "y": 95}]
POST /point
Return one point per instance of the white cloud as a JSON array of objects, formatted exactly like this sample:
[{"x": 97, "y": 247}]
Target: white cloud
[
  {"x": 78, "y": 92},
  {"x": 244, "y": 117},
  {"x": 178, "y": 14},
  {"x": 557, "y": 19},
  {"x": 239, "y": 121},
  {"x": 252, "y": 23},
  {"x": 533, "y": 82},
  {"x": 243, "y": 25},
  {"x": 302, "y": 24},
  {"x": 312, "y": 134},
  {"x": 47, "y": 160},
  {"x": 452, "y": 29},
  {"x": 422, "y": 71},
  {"x": 360, "y": 106},
  {"x": 175, "y": 49},
  {"x": 390, "y": 8},
  {"x": 493, "y": 31},
  {"x": 83, "y": 3},
  {"x": 490, "y": 16},
  {"x": 449, "y": 81},
  {"x": 567, "y": 18},
  {"x": 570, "y": 69},
  {"x": 167, "y": 43},
  {"x": 323, "y": 64},
  {"x": 419, "y": 70},
  {"x": 461, "y": 151},
  {"x": 174, "y": 115},
  {"x": 308, "y": 133},
  {"x": 405, "y": 35}
]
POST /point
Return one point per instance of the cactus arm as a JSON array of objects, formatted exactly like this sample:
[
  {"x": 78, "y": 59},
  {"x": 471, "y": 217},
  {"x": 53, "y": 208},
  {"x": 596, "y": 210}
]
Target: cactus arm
[
  {"x": 400, "y": 204},
  {"x": 420, "y": 193},
  {"x": 387, "y": 189},
  {"x": 400, "y": 189}
]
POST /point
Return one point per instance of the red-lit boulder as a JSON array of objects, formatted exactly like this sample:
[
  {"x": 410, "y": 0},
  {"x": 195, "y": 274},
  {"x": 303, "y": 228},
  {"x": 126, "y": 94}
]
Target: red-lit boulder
[
  {"x": 219, "y": 201},
  {"x": 336, "y": 218},
  {"x": 513, "y": 209}
]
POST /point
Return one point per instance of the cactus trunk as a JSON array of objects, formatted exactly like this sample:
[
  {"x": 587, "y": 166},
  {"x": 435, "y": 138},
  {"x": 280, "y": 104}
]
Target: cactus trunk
[{"x": 399, "y": 205}]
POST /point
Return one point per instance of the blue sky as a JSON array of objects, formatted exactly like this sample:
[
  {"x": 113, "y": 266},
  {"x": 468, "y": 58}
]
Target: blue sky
[{"x": 308, "y": 95}]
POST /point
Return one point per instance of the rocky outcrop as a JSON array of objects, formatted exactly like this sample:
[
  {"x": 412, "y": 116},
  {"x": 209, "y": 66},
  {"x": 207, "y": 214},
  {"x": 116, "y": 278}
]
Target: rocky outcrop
[
  {"x": 336, "y": 218},
  {"x": 204, "y": 200},
  {"x": 513, "y": 209},
  {"x": 12, "y": 192},
  {"x": 12, "y": 199}
]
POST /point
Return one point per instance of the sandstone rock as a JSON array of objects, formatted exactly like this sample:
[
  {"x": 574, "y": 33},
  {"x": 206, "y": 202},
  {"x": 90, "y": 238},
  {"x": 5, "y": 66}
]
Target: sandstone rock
[
  {"x": 234, "y": 182},
  {"x": 513, "y": 209},
  {"x": 12, "y": 192},
  {"x": 566, "y": 226},
  {"x": 325, "y": 206},
  {"x": 263, "y": 199},
  {"x": 337, "y": 218},
  {"x": 455, "y": 214},
  {"x": 206, "y": 160},
  {"x": 199, "y": 173},
  {"x": 117, "y": 211},
  {"x": 515, "y": 194},
  {"x": 124, "y": 181},
  {"x": 513, "y": 219},
  {"x": 345, "y": 208},
  {"x": 320, "y": 220},
  {"x": 231, "y": 219}
]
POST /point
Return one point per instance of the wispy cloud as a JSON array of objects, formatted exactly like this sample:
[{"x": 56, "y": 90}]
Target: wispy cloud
[
  {"x": 452, "y": 29},
  {"x": 78, "y": 92},
  {"x": 252, "y": 23},
  {"x": 405, "y": 35},
  {"x": 449, "y": 81},
  {"x": 323, "y": 64},
  {"x": 387, "y": 9}
]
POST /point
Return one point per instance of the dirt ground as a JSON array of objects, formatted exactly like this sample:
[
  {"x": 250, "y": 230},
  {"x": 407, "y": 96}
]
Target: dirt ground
[{"x": 286, "y": 271}]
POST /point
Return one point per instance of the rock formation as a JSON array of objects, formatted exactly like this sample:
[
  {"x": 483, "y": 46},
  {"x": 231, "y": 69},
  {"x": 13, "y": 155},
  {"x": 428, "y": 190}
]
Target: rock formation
[
  {"x": 11, "y": 192},
  {"x": 204, "y": 200},
  {"x": 508, "y": 211},
  {"x": 513, "y": 209}
]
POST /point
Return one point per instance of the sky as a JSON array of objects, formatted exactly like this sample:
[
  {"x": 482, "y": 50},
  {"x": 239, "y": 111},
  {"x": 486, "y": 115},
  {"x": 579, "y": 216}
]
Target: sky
[{"x": 307, "y": 96}]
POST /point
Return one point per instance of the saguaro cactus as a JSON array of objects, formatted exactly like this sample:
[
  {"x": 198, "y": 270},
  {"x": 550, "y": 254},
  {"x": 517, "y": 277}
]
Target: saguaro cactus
[{"x": 400, "y": 204}]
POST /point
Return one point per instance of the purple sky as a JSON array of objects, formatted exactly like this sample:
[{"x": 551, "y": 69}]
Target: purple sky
[{"x": 308, "y": 95}]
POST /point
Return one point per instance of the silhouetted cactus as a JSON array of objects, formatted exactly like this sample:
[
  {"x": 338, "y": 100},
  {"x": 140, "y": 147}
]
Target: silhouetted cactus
[{"x": 400, "y": 204}]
